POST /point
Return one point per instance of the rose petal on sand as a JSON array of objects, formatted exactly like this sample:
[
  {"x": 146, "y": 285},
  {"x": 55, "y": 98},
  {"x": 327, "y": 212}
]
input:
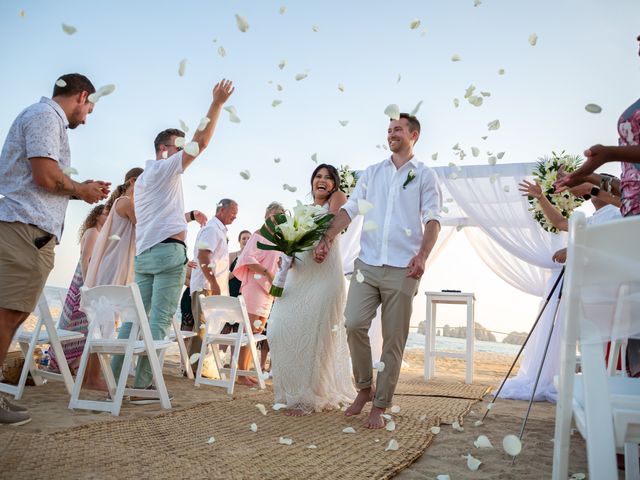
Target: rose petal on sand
[
  {"x": 242, "y": 23},
  {"x": 414, "y": 24},
  {"x": 364, "y": 206},
  {"x": 472, "y": 463},
  {"x": 395, "y": 409},
  {"x": 393, "y": 445},
  {"x": 69, "y": 171},
  {"x": 390, "y": 426},
  {"x": 482, "y": 442},
  {"x": 512, "y": 445},
  {"x": 490, "y": 406},
  {"x": 278, "y": 406},
  {"x": 245, "y": 174},
  {"x": 456, "y": 426},
  {"x": 416, "y": 108},
  {"x": 285, "y": 441},
  {"x": 204, "y": 121},
  {"x": 341, "y": 87},
  {"x": 379, "y": 366},
  {"x": 61, "y": 83},
  {"x": 344, "y": 123},
  {"x": 369, "y": 226},
  {"x": 114, "y": 238},
  {"x": 253, "y": 427},
  {"x": 69, "y": 29},
  {"x": 314, "y": 158},
  {"x": 494, "y": 125},
  {"x": 359, "y": 276},
  {"x": 261, "y": 408},
  {"x": 183, "y": 126},
  {"x": 593, "y": 108},
  {"x": 577, "y": 476},
  {"x": 533, "y": 39},
  {"x": 455, "y": 57},
  {"x": 182, "y": 68},
  {"x": 192, "y": 148},
  {"x": 456, "y": 102},
  {"x": 301, "y": 76},
  {"x": 211, "y": 440},
  {"x": 312, "y": 446},
  {"x": 221, "y": 51},
  {"x": 435, "y": 430},
  {"x": 276, "y": 102},
  {"x": 282, "y": 64},
  {"x": 392, "y": 111},
  {"x": 443, "y": 477},
  {"x": 478, "y": 423},
  {"x": 348, "y": 430}
]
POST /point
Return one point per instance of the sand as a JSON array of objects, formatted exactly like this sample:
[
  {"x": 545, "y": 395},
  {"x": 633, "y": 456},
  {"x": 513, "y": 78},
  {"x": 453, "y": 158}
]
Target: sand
[{"x": 48, "y": 406}]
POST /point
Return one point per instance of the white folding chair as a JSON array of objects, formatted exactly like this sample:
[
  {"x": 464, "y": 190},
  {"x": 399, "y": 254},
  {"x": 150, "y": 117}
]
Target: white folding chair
[
  {"x": 179, "y": 336},
  {"x": 52, "y": 336},
  {"x": 101, "y": 304},
  {"x": 218, "y": 310},
  {"x": 602, "y": 261}
]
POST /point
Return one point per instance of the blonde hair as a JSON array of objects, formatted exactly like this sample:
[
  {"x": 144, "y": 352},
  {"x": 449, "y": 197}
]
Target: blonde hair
[
  {"x": 92, "y": 220},
  {"x": 273, "y": 207}
]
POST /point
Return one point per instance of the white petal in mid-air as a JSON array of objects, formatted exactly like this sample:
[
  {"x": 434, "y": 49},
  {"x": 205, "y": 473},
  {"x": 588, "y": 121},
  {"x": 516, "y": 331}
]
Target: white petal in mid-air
[
  {"x": 416, "y": 108},
  {"x": 341, "y": 87},
  {"x": 69, "y": 171},
  {"x": 501, "y": 71},
  {"x": 289, "y": 188},
  {"x": 359, "y": 276},
  {"x": 475, "y": 101},
  {"x": 500, "y": 155},
  {"x": 593, "y": 108},
  {"x": 282, "y": 9},
  {"x": 455, "y": 57},
  {"x": 314, "y": 158},
  {"x": 114, "y": 238},
  {"x": 261, "y": 408},
  {"x": 399, "y": 78},
  {"x": 469, "y": 91},
  {"x": 512, "y": 445},
  {"x": 379, "y": 366},
  {"x": 257, "y": 324},
  {"x": 393, "y": 445},
  {"x": 276, "y": 102},
  {"x": 472, "y": 463},
  {"x": 245, "y": 174},
  {"x": 179, "y": 142},
  {"x": 494, "y": 125},
  {"x": 276, "y": 160},
  {"x": 183, "y": 126},
  {"x": 301, "y": 76},
  {"x": 192, "y": 148},
  {"x": 482, "y": 442},
  {"x": 407, "y": 232},
  {"x": 491, "y": 160},
  {"x": 344, "y": 123},
  {"x": 314, "y": 28},
  {"x": 242, "y": 23},
  {"x": 61, "y": 83},
  {"x": 493, "y": 178},
  {"x": 282, "y": 64},
  {"x": 221, "y": 51},
  {"x": 203, "y": 123},
  {"x": 182, "y": 68},
  {"x": 392, "y": 111},
  {"x": 434, "y": 157},
  {"x": 69, "y": 29},
  {"x": 506, "y": 188},
  {"x": 475, "y": 151},
  {"x": 456, "y": 102},
  {"x": 349, "y": 430},
  {"x": 414, "y": 24},
  {"x": 369, "y": 226},
  {"x": 477, "y": 2},
  {"x": 364, "y": 206},
  {"x": 533, "y": 39}
]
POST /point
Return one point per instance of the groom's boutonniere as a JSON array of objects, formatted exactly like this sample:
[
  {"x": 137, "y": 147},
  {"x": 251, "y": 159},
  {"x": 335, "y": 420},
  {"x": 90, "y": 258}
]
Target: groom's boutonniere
[{"x": 410, "y": 176}]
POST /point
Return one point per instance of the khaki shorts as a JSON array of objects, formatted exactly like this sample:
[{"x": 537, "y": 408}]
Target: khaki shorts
[{"x": 23, "y": 267}]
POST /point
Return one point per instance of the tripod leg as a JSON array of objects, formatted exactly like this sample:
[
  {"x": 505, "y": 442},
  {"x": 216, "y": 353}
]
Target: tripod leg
[{"x": 515, "y": 360}]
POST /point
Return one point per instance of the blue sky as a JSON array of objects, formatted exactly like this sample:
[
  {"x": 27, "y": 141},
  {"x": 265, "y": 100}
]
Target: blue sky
[{"x": 586, "y": 53}]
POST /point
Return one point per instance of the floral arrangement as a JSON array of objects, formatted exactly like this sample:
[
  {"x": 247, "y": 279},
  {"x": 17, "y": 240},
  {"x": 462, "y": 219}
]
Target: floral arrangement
[
  {"x": 291, "y": 234},
  {"x": 348, "y": 179},
  {"x": 545, "y": 174}
]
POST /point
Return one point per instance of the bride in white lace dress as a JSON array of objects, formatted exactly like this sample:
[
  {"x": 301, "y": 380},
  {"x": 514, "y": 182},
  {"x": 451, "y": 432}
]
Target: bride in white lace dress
[{"x": 307, "y": 339}]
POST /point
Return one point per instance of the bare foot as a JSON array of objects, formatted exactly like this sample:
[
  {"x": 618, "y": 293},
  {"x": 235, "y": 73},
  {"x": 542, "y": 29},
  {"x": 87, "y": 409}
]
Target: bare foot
[
  {"x": 246, "y": 381},
  {"x": 99, "y": 385},
  {"x": 295, "y": 412},
  {"x": 365, "y": 395},
  {"x": 375, "y": 420}
]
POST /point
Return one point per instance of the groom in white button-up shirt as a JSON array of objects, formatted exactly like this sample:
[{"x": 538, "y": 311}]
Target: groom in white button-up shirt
[{"x": 398, "y": 235}]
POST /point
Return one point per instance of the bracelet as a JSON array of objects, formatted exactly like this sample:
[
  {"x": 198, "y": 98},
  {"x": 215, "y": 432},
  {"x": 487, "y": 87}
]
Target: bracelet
[{"x": 192, "y": 215}]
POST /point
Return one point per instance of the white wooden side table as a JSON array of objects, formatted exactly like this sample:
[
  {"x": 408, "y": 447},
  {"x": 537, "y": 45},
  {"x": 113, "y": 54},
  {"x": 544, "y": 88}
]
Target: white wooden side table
[{"x": 430, "y": 352}]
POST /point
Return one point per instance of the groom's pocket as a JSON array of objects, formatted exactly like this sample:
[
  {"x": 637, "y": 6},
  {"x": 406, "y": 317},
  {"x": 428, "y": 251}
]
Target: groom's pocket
[{"x": 409, "y": 286}]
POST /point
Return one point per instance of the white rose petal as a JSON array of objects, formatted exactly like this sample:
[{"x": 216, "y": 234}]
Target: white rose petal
[
  {"x": 359, "y": 276},
  {"x": 179, "y": 142},
  {"x": 491, "y": 160},
  {"x": 455, "y": 57},
  {"x": 261, "y": 408},
  {"x": 512, "y": 445},
  {"x": 211, "y": 440},
  {"x": 379, "y": 366},
  {"x": 593, "y": 108},
  {"x": 69, "y": 171},
  {"x": 423, "y": 417},
  {"x": 472, "y": 463},
  {"x": 501, "y": 71},
  {"x": 69, "y": 29},
  {"x": 475, "y": 151},
  {"x": 485, "y": 94},
  {"x": 484, "y": 138},
  {"x": 395, "y": 409},
  {"x": 183, "y": 67},
  {"x": 221, "y": 51},
  {"x": 386, "y": 416},
  {"x": 393, "y": 445},
  {"x": 253, "y": 427},
  {"x": 435, "y": 430},
  {"x": 279, "y": 87},
  {"x": 165, "y": 154},
  {"x": 204, "y": 121},
  {"x": 390, "y": 426},
  {"x": 453, "y": 175},
  {"x": 392, "y": 111},
  {"x": 334, "y": 329},
  {"x": 456, "y": 102},
  {"x": 344, "y": 123},
  {"x": 341, "y": 87},
  {"x": 533, "y": 39},
  {"x": 242, "y": 23},
  {"x": 314, "y": 28},
  {"x": 456, "y": 426},
  {"x": 416, "y": 108},
  {"x": 443, "y": 477},
  {"x": 459, "y": 227},
  {"x": 506, "y": 188},
  {"x": 257, "y": 324},
  {"x": 312, "y": 446},
  {"x": 434, "y": 157},
  {"x": 282, "y": 64},
  {"x": 469, "y": 91},
  {"x": 183, "y": 126},
  {"x": 369, "y": 226},
  {"x": 399, "y": 78},
  {"x": 282, "y": 9},
  {"x": 114, "y": 238},
  {"x": 384, "y": 147},
  {"x": 61, "y": 83},
  {"x": 192, "y": 148},
  {"x": 490, "y": 406},
  {"x": 482, "y": 442},
  {"x": 276, "y": 102},
  {"x": 477, "y": 423},
  {"x": 445, "y": 209},
  {"x": 494, "y": 125},
  {"x": 245, "y": 174},
  {"x": 500, "y": 155},
  {"x": 301, "y": 76},
  {"x": 289, "y": 188},
  {"x": 314, "y": 158},
  {"x": 348, "y": 430},
  {"x": 233, "y": 114},
  {"x": 493, "y": 178},
  {"x": 407, "y": 232},
  {"x": 278, "y": 406},
  {"x": 285, "y": 441},
  {"x": 414, "y": 24},
  {"x": 276, "y": 160},
  {"x": 475, "y": 101},
  {"x": 264, "y": 376},
  {"x": 577, "y": 476},
  {"x": 364, "y": 206},
  {"x": 477, "y": 2}
]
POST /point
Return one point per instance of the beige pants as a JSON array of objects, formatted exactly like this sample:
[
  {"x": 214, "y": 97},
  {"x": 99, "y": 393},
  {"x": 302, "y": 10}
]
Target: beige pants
[
  {"x": 390, "y": 287},
  {"x": 198, "y": 319}
]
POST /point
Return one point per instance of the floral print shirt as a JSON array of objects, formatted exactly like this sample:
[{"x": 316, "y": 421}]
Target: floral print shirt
[{"x": 629, "y": 131}]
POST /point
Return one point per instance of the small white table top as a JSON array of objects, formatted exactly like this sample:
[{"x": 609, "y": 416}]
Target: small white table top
[{"x": 450, "y": 297}]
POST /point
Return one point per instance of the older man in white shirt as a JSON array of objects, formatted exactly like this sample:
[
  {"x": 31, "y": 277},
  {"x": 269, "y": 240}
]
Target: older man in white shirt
[
  {"x": 398, "y": 235},
  {"x": 211, "y": 275}
]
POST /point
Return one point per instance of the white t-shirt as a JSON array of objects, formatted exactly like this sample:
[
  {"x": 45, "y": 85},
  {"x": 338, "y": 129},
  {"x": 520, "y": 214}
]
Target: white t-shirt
[
  {"x": 213, "y": 236},
  {"x": 158, "y": 202},
  {"x": 403, "y": 200},
  {"x": 604, "y": 215}
]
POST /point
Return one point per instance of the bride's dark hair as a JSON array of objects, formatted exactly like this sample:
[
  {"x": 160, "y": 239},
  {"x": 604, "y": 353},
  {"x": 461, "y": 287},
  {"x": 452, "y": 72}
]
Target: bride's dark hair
[{"x": 333, "y": 172}]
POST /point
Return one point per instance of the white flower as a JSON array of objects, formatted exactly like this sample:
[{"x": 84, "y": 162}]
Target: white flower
[
  {"x": 242, "y": 23},
  {"x": 392, "y": 111},
  {"x": 183, "y": 67},
  {"x": 533, "y": 39},
  {"x": 61, "y": 83}
]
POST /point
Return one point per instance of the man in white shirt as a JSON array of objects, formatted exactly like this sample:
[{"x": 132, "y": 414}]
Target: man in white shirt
[
  {"x": 161, "y": 229},
  {"x": 394, "y": 249},
  {"x": 211, "y": 275}
]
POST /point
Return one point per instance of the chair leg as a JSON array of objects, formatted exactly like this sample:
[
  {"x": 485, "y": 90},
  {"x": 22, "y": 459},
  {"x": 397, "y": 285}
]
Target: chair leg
[
  {"x": 256, "y": 363},
  {"x": 122, "y": 381},
  {"x": 203, "y": 355},
  {"x": 233, "y": 375},
  {"x": 158, "y": 379},
  {"x": 182, "y": 348},
  {"x": 107, "y": 372},
  {"x": 84, "y": 359},
  {"x": 62, "y": 360},
  {"x": 631, "y": 463},
  {"x": 29, "y": 365}
]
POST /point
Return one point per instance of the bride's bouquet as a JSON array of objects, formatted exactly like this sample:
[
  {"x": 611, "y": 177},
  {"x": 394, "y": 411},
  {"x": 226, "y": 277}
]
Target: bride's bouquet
[
  {"x": 291, "y": 234},
  {"x": 545, "y": 174}
]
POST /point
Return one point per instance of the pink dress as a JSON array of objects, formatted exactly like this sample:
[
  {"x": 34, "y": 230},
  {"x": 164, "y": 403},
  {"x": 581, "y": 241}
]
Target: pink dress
[
  {"x": 255, "y": 287},
  {"x": 629, "y": 131}
]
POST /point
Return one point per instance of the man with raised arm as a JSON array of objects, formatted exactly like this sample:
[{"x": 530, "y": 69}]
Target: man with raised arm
[{"x": 35, "y": 164}]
